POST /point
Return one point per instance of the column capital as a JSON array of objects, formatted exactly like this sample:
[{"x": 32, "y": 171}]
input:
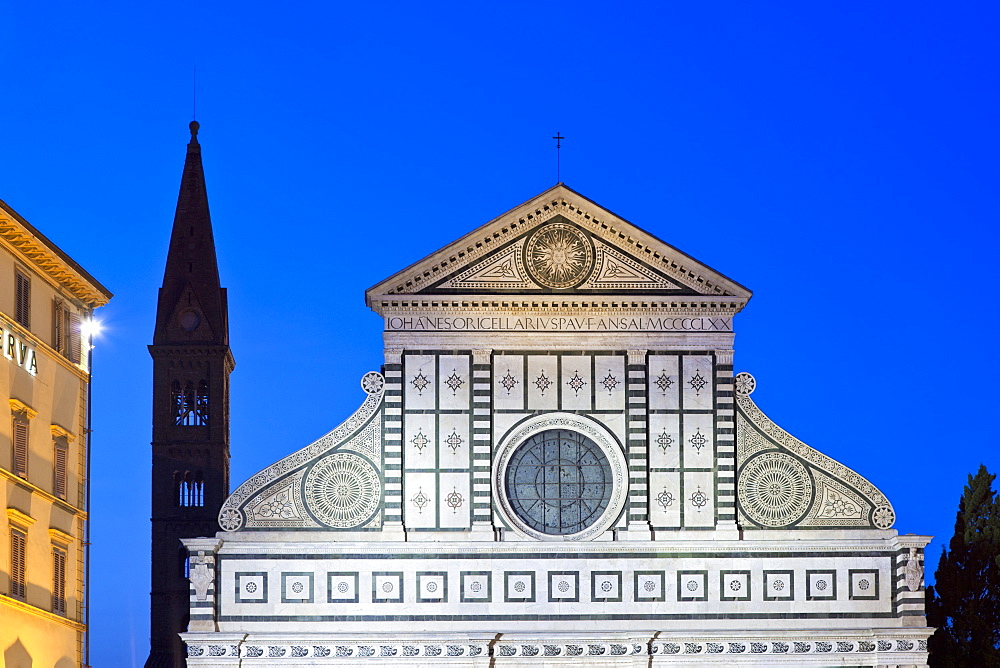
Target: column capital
[
  {"x": 637, "y": 356},
  {"x": 724, "y": 355}
]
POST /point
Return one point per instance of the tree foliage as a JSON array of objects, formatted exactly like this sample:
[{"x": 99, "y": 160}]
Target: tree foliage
[{"x": 964, "y": 603}]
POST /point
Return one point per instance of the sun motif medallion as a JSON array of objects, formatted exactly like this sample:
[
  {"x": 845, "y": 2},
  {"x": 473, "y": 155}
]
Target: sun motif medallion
[
  {"x": 342, "y": 490},
  {"x": 559, "y": 256}
]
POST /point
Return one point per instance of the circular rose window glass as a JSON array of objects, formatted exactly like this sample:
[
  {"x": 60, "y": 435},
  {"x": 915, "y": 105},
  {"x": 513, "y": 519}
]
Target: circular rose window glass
[{"x": 559, "y": 482}]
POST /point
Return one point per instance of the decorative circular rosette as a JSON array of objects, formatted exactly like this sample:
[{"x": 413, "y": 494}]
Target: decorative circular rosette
[
  {"x": 342, "y": 490},
  {"x": 230, "y": 519},
  {"x": 774, "y": 489},
  {"x": 744, "y": 384},
  {"x": 559, "y": 256},
  {"x": 372, "y": 382},
  {"x": 883, "y": 517}
]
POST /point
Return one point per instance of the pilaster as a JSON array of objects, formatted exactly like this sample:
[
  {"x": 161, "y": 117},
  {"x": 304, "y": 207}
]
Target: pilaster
[
  {"x": 482, "y": 440},
  {"x": 202, "y": 574},
  {"x": 725, "y": 439},
  {"x": 636, "y": 405},
  {"x": 392, "y": 457}
]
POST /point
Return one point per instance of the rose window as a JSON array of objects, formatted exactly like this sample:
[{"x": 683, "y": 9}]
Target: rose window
[{"x": 559, "y": 482}]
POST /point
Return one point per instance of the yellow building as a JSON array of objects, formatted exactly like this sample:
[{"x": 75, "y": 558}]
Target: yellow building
[{"x": 46, "y": 306}]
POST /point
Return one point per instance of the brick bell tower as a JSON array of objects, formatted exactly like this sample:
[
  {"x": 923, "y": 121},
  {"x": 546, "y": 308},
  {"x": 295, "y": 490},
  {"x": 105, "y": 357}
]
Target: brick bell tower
[{"x": 191, "y": 367}]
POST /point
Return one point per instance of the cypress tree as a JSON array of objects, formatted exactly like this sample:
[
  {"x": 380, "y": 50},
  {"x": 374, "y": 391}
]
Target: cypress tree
[{"x": 964, "y": 603}]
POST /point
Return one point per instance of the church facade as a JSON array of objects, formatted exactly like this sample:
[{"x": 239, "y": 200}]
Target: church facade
[{"x": 556, "y": 463}]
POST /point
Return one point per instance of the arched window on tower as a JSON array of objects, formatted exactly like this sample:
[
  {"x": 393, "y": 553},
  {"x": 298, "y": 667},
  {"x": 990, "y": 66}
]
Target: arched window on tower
[
  {"x": 201, "y": 402},
  {"x": 190, "y": 405},
  {"x": 190, "y": 489}
]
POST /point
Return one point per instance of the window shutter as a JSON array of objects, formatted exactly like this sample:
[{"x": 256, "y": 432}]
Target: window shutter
[
  {"x": 74, "y": 338},
  {"x": 17, "y": 561},
  {"x": 57, "y": 327},
  {"x": 22, "y": 306},
  {"x": 58, "y": 581},
  {"x": 59, "y": 470},
  {"x": 20, "y": 448}
]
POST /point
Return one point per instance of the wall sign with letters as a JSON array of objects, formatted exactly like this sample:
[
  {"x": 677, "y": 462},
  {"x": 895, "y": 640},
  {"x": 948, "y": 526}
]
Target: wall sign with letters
[{"x": 18, "y": 351}]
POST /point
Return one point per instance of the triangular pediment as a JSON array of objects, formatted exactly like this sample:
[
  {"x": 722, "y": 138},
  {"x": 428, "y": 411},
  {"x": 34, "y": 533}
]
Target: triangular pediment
[{"x": 558, "y": 243}]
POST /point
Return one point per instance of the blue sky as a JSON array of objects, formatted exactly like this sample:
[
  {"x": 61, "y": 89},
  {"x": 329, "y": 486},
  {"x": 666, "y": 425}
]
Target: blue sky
[{"x": 839, "y": 159}]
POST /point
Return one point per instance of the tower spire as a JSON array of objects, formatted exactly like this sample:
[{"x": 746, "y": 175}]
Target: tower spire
[
  {"x": 192, "y": 271},
  {"x": 191, "y": 367}
]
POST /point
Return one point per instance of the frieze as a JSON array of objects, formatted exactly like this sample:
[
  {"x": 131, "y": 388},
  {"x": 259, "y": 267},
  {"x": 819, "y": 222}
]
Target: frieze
[
  {"x": 515, "y": 650},
  {"x": 538, "y": 323}
]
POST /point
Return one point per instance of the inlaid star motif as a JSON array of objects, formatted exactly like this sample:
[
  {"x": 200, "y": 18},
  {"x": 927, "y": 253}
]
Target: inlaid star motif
[
  {"x": 697, "y": 383},
  {"x": 508, "y": 382},
  {"x": 664, "y": 440},
  {"x": 420, "y": 382},
  {"x": 542, "y": 382},
  {"x": 454, "y": 382},
  {"x": 420, "y": 441},
  {"x": 610, "y": 382},
  {"x": 699, "y": 500},
  {"x": 576, "y": 382},
  {"x": 420, "y": 500},
  {"x": 454, "y": 500},
  {"x": 454, "y": 441},
  {"x": 663, "y": 382},
  {"x": 698, "y": 440},
  {"x": 665, "y": 498}
]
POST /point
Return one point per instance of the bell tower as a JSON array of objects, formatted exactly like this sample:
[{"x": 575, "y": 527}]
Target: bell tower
[{"x": 191, "y": 367}]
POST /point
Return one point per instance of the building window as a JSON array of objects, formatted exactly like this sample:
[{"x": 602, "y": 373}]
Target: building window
[
  {"x": 190, "y": 404},
  {"x": 20, "y": 429},
  {"x": 22, "y": 298},
  {"x": 559, "y": 482},
  {"x": 58, "y": 581},
  {"x": 560, "y": 475},
  {"x": 190, "y": 489},
  {"x": 66, "y": 331},
  {"x": 60, "y": 457},
  {"x": 18, "y": 580}
]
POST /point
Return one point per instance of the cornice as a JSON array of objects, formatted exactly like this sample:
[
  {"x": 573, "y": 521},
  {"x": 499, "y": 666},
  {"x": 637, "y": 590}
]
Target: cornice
[
  {"x": 17, "y": 518},
  {"x": 38, "y": 612},
  {"x": 192, "y": 350},
  {"x": 291, "y": 544},
  {"x": 60, "y": 537},
  {"x": 22, "y": 239},
  {"x": 557, "y": 302},
  {"x": 18, "y": 406},
  {"x": 60, "y": 432},
  {"x": 54, "y": 500}
]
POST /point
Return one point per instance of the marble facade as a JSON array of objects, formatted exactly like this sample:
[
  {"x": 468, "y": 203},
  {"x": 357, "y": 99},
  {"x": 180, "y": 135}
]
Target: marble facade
[{"x": 556, "y": 463}]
